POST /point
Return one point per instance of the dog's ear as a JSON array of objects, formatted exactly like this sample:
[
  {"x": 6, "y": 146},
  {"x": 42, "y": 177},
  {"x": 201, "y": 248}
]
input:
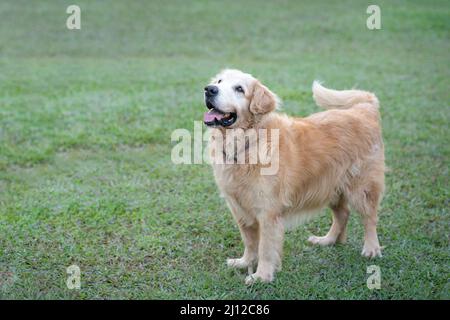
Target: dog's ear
[{"x": 263, "y": 100}]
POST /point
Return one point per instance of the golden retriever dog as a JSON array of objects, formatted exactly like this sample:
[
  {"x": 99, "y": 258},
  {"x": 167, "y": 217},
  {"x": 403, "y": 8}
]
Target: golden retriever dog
[{"x": 333, "y": 158}]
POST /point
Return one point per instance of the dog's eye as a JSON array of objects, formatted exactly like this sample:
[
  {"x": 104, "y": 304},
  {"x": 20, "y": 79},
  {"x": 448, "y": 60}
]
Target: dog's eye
[
  {"x": 219, "y": 81},
  {"x": 239, "y": 89}
]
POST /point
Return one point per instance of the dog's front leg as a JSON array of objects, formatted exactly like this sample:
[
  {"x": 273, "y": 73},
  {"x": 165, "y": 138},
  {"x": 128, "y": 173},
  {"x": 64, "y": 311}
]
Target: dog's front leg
[
  {"x": 250, "y": 236},
  {"x": 271, "y": 234},
  {"x": 248, "y": 228}
]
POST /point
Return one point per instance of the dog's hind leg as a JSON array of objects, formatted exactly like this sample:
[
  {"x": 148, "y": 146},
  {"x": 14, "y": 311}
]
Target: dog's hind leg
[
  {"x": 365, "y": 199},
  {"x": 371, "y": 247},
  {"x": 369, "y": 212},
  {"x": 338, "y": 230}
]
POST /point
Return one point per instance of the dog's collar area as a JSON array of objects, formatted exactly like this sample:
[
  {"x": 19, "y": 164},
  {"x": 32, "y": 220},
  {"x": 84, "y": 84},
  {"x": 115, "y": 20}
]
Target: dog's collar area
[{"x": 235, "y": 156}]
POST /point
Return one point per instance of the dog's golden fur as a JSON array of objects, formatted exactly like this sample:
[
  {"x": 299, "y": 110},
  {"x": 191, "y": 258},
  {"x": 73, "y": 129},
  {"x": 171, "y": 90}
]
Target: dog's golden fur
[{"x": 333, "y": 158}]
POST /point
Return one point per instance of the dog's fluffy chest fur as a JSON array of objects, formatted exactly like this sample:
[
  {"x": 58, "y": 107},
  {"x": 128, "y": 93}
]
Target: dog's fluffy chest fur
[{"x": 244, "y": 184}]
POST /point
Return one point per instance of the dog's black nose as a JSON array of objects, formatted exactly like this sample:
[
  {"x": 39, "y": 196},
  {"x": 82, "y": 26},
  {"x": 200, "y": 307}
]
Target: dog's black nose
[{"x": 211, "y": 91}]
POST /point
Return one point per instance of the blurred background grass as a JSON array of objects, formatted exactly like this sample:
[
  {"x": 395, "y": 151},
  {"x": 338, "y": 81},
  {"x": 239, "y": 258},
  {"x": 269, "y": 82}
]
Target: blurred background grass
[{"x": 85, "y": 124}]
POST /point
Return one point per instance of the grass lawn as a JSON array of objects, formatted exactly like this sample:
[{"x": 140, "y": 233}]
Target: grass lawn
[{"x": 85, "y": 124}]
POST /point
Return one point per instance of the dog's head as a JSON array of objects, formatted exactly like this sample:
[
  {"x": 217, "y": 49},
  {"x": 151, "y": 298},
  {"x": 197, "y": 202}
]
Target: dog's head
[{"x": 236, "y": 99}]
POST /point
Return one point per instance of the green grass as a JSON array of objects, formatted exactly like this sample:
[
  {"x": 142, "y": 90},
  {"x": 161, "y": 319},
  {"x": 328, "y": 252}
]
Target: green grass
[{"x": 85, "y": 124}]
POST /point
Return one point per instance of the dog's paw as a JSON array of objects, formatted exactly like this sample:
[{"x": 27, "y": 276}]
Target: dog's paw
[
  {"x": 238, "y": 263},
  {"x": 322, "y": 241},
  {"x": 371, "y": 251},
  {"x": 251, "y": 279}
]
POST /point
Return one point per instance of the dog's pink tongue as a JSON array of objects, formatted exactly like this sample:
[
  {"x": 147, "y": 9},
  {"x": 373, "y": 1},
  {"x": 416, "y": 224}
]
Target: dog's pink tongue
[{"x": 211, "y": 115}]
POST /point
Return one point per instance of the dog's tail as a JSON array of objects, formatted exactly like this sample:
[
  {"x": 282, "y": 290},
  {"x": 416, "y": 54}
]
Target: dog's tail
[{"x": 334, "y": 99}]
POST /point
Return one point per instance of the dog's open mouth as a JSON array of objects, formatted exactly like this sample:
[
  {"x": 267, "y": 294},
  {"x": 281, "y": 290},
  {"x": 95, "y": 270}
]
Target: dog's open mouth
[{"x": 216, "y": 117}]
